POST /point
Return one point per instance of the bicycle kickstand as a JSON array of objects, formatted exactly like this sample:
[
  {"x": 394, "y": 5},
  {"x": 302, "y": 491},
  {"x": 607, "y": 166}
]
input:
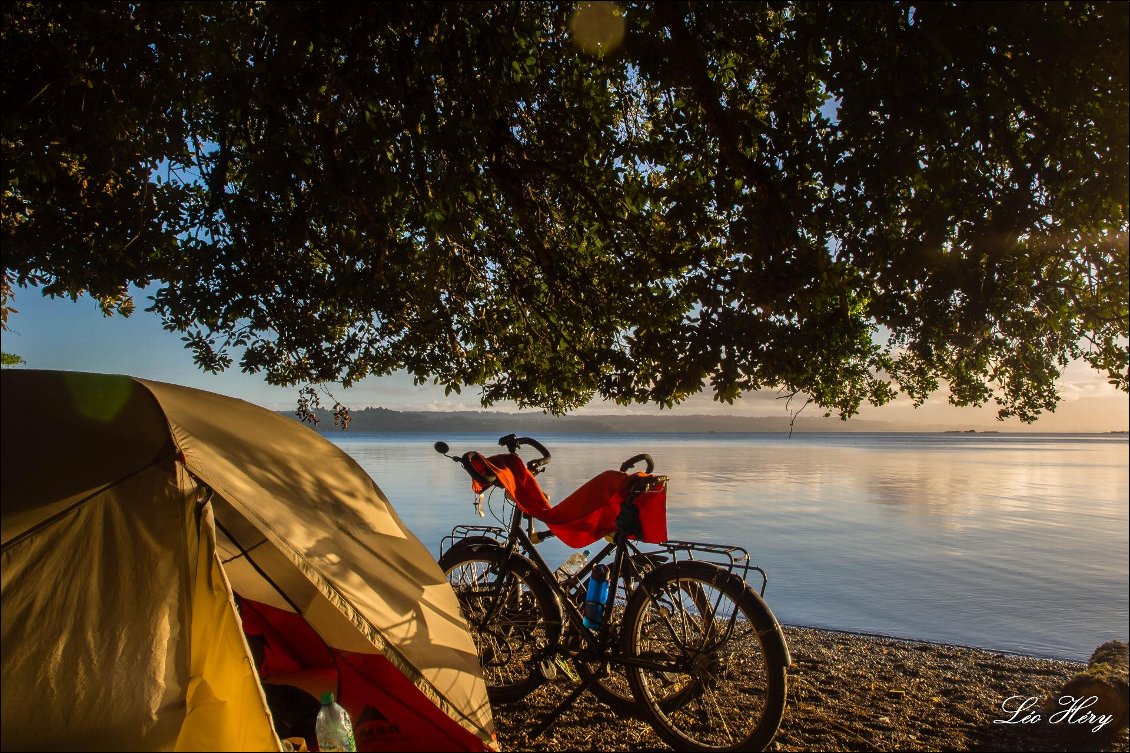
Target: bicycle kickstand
[{"x": 569, "y": 701}]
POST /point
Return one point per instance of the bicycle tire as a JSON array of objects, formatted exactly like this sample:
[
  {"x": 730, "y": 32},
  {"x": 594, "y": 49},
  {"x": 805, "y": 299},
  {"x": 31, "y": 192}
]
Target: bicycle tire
[
  {"x": 614, "y": 689},
  {"x": 509, "y": 642},
  {"x": 726, "y": 665}
]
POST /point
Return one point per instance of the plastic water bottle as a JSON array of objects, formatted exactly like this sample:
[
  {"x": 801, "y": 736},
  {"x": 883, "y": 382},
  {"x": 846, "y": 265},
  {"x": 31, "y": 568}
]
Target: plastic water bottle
[
  {"x": 572, "y": 565},
  {"x": 596, "y": 597},
  {"x": 335, "y": 731}
]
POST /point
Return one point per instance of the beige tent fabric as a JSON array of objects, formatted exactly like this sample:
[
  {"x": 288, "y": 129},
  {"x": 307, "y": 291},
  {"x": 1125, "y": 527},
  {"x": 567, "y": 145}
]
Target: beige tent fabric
[
  {"x": 223, "y": 675},
  {"x": 56, "y": 429},
  {"x": 119, "y": 630},
  {"x": 113, "y": 681},
  {"x": 341, "y": 535},
  {"x": 102, "y": 628}
]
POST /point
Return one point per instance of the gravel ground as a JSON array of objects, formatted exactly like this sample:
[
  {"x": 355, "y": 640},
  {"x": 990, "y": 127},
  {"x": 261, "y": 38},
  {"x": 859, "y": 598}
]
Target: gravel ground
[{"x": 854, "y": 692}]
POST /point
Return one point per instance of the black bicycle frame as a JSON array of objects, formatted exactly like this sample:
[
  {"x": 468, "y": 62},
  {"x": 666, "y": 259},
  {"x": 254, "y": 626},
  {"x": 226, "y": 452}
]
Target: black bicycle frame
[{"x": 599, "y": 649}]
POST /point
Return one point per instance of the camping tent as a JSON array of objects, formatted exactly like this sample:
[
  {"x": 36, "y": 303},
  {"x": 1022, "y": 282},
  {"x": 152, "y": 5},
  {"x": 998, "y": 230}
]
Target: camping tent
[{"x": 149, "y": 530}]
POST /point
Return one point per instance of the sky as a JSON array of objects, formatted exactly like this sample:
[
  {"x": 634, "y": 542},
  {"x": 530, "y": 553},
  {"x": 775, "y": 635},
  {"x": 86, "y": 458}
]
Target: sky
[{"x": 75, "y": 336}]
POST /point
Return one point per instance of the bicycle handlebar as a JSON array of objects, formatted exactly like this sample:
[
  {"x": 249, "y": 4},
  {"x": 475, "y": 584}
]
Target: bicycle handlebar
[
  {"x": 512, "y": 443},
  {"x": 633, "y": 460},
  {"x": 486, "y": 479}
]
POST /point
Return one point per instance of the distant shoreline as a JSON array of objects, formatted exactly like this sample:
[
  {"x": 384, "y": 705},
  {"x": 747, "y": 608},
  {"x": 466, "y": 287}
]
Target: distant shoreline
[{"x": 383, "y": 420}]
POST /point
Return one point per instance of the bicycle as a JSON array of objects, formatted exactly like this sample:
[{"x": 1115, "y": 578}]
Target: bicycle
[{"x": 703, "y": 657}]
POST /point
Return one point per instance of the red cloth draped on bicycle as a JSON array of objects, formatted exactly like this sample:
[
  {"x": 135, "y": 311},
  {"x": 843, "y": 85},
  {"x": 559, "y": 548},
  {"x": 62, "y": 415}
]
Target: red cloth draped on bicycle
[{"x": 587, "y": 514}]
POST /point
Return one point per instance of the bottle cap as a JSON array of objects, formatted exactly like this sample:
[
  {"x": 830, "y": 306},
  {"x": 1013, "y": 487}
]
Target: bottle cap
[{"x": 327, "y": 698}]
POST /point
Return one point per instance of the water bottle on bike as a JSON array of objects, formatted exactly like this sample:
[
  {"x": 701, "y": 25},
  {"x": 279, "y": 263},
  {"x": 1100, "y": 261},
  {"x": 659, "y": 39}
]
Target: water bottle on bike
[
  {"x": 596, "y": 597},
  {"x": 571, "y": 566}
]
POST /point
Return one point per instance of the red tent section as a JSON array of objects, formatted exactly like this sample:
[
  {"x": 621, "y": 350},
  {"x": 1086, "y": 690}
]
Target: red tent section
[{"x": 387, "y": 710}]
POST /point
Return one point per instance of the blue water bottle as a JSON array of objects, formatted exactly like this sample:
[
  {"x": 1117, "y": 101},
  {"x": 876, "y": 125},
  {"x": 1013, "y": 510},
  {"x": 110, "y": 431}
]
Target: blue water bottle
[{"x": 596, "y": 597}]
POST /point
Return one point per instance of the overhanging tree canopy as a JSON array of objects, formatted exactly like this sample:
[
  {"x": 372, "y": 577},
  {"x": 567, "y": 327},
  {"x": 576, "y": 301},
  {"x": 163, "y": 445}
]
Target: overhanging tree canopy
[{"x": 843, "y": 200}]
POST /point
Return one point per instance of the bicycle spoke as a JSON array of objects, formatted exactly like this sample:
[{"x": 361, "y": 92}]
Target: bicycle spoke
[
  {"x": 508, "y": 610},
  {"x": 720, "y": 697}
]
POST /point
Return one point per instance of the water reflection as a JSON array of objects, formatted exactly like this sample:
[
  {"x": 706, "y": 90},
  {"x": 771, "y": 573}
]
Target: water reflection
[{"x": 1008, "y": 542}]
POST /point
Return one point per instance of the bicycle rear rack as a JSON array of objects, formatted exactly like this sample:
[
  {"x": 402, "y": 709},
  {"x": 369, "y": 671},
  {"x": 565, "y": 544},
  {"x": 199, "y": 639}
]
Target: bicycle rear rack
[
  {"x": 460, "y": 532},
  {"x": 732, "y": 558},
  {"x": 735, "y": 559}
]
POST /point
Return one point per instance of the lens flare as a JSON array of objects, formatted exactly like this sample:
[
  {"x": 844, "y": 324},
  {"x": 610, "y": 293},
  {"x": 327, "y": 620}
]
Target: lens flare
[{"x": 597, "y": 27}]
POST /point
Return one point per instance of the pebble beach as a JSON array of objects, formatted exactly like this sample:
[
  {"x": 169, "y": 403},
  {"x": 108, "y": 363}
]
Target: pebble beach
[{"x": 852, "y": 692}]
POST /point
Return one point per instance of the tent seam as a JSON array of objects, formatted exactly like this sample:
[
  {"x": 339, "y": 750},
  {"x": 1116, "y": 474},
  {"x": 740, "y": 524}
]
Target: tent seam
[
  {"x": 372, "y": 632},
  {"x": 161, "y": 457},
  {"x": 376, "y": 636}
]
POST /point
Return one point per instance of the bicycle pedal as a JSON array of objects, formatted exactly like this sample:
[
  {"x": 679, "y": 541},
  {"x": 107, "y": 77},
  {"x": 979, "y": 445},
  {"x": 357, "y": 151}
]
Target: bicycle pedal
[
  {"x": 567, "y": 667},
  {"x": 548, "y": 669}
]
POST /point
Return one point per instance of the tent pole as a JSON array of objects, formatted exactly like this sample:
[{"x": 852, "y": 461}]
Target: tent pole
[{"x": 250, "y": 560}]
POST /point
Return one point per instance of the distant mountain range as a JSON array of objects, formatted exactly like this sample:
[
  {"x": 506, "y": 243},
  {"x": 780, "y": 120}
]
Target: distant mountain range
[{"x": 441, "y": 423}]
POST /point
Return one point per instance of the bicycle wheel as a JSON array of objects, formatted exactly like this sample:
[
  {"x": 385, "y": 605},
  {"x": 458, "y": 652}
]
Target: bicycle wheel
[
  {"x": 614, "y": 689},
  {"x": 713, "y": 645},
  {"x": 510, "y": 611}
]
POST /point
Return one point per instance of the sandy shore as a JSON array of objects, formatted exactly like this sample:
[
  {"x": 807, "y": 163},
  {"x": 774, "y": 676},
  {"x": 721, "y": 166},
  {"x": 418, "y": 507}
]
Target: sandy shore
[{"x": 854, "y": 692}]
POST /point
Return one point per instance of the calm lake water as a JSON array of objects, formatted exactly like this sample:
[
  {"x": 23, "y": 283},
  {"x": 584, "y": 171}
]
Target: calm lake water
[{"x": 1004, "y": 541}]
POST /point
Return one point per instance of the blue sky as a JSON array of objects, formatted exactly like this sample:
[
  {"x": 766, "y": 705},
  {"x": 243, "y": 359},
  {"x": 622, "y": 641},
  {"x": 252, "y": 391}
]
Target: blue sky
[{"x": 61, "y": 334}]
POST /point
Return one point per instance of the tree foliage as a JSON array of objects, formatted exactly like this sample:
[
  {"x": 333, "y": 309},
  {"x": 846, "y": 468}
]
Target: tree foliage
[{"x": 841, "y": 200}]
